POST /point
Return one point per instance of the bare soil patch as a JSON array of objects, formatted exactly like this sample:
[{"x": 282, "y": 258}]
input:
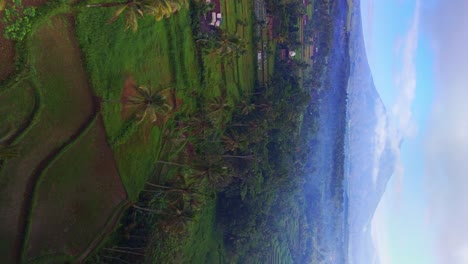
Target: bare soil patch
[{"x": 127, "y": 92}]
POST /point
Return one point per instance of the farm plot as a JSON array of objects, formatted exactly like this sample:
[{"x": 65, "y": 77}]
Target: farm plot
[
  {"x": 158, "y": 55},
  {"x": 65, "y": 105},
  {"x": 239, "y": 71},
  {"x": 75, "y": 197},
  {"x": 52, "y": 121},
  {"x": 18, "y": 106}
]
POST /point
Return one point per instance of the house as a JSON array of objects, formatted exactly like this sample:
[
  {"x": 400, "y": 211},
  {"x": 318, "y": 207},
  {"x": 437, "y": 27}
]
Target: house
[
  {"x": 214, "y": 18},
  {"x": 286, "y": 53}
]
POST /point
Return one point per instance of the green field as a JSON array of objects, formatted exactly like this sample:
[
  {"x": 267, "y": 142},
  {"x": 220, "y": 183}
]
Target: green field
[
  {"x": 79, "y": 161},
  {"x": 161, "y": 55}
]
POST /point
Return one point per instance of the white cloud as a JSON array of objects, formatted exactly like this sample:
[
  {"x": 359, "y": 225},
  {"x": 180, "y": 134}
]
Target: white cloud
[
  {"x": 461, "y": 254},
  {"x": 447, "y": 140},
  {"x": 379, "y": 233},
  {"x": 405, "y": 80},
  {"x": 400, "y": 125},
  {"x": 380, "y": 138}
]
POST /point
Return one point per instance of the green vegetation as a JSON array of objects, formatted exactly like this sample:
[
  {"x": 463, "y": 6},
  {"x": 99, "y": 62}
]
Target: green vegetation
[
  {"x": 134, "y": 9},
  {"x": 265, "y": 200},
  {"x": 169, "y": 123},
  {"x": 18, "y": 21}
]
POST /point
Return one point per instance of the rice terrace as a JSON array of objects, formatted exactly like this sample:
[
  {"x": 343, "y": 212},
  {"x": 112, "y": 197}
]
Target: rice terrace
[{"x": 169, "y": 131}]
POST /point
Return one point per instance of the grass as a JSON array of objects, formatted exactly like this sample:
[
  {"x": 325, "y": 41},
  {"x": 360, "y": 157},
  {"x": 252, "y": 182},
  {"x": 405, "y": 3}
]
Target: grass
[
  {"x": 161, "y": 55},
  {"x": 205, "y": 244},
  {"x": 62, "y": 150},
  {"x": 154, "y": 59},
  {"x": 281, "y": 253},
  {"x": 233, "y": 13}
]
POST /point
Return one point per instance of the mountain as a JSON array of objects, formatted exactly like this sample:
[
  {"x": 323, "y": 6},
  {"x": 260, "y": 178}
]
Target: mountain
[{"x": 370, "y": 158}]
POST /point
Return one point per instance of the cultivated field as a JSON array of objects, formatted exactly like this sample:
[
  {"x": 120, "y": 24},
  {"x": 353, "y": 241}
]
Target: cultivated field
[{"x": 79, "y": 162}]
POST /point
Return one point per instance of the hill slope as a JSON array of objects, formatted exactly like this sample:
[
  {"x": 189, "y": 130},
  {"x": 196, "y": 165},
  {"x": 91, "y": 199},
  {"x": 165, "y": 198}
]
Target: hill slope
[{"x": 370, "y": 156}]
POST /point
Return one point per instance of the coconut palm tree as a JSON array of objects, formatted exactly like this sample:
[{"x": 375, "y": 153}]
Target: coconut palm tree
[
  {"x": 134, "y": 9},
  {"x": 217, "y": 110},
  {"x": 148, "y": 103},
  {"x": 222, "y": 43},
  {"x": 208, "y": 169},
  {"x": 233, "y": 141}
]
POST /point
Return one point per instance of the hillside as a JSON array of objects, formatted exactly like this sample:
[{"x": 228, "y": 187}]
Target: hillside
[
  {"x": 370, "y": 155},
  {"x": 324, "y": 173}
]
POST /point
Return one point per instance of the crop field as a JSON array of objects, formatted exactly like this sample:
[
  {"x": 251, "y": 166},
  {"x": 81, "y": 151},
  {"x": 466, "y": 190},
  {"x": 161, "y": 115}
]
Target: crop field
[
  {"x": 161, "y": 55},
  {"x": 46, "y": 125},
  {"x": 79, "y": 202},
  {"x": 79, "y": 162}
]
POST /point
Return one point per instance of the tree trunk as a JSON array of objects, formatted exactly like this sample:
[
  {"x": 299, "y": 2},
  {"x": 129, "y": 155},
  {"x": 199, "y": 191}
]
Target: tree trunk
[
  {"x": 171, "y": 163},
  {"x": 116, "y": 258},
  {"x": 145, "y": 209},
  {"x": 110, "y": 4},
  {"x": 125, "y": 251},
  {"x": 250, "y": 157}
]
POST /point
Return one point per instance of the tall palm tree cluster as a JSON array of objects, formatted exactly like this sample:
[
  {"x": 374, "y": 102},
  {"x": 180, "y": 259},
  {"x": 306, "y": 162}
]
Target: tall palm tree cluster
[{"x": 134, "y": 9}]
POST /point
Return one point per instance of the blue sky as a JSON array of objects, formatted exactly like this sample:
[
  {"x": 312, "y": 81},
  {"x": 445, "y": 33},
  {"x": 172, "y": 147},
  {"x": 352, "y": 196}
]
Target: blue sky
[
  {"x": 418, "y": 55},
  {"x": 401, "y": 59}
]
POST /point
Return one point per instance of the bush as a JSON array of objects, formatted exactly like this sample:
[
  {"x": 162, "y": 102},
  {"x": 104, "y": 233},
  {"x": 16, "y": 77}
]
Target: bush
[{"x": 18, "y": 21}]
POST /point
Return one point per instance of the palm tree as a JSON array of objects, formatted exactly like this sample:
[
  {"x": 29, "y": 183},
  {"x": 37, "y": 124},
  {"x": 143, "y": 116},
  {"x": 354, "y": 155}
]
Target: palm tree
[
  {"x": 134, "y": 9},
  {"x": 147, "y": 103},
  {"x": 222, "y": 43},
  {"x": 217, "y": 110},
  {"x": 209, "y": 168},
  {"x": 233, "y": 141},
  {"x": 187, "y": 190}
]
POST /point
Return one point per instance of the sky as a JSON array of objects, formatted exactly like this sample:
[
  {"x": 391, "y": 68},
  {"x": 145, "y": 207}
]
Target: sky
[{"x": 418, "y": 55}]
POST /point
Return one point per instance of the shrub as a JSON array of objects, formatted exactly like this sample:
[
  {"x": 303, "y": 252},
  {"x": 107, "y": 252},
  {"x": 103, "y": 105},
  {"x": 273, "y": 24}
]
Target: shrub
[{"x": 18, "y": 21}]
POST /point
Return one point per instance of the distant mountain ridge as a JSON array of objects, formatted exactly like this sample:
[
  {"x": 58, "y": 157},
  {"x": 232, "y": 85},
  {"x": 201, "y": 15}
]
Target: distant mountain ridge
[{"x": 370, "y": 158}]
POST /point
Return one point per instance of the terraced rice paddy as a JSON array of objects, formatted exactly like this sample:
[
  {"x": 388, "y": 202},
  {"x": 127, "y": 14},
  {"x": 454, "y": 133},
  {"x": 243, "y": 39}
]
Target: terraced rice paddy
[{"x": 79, "y": 162}]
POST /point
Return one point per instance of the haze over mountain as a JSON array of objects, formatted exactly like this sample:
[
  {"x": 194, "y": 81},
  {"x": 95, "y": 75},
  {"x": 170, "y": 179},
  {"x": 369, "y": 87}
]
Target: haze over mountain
[{"x": 370, "y": 153}]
